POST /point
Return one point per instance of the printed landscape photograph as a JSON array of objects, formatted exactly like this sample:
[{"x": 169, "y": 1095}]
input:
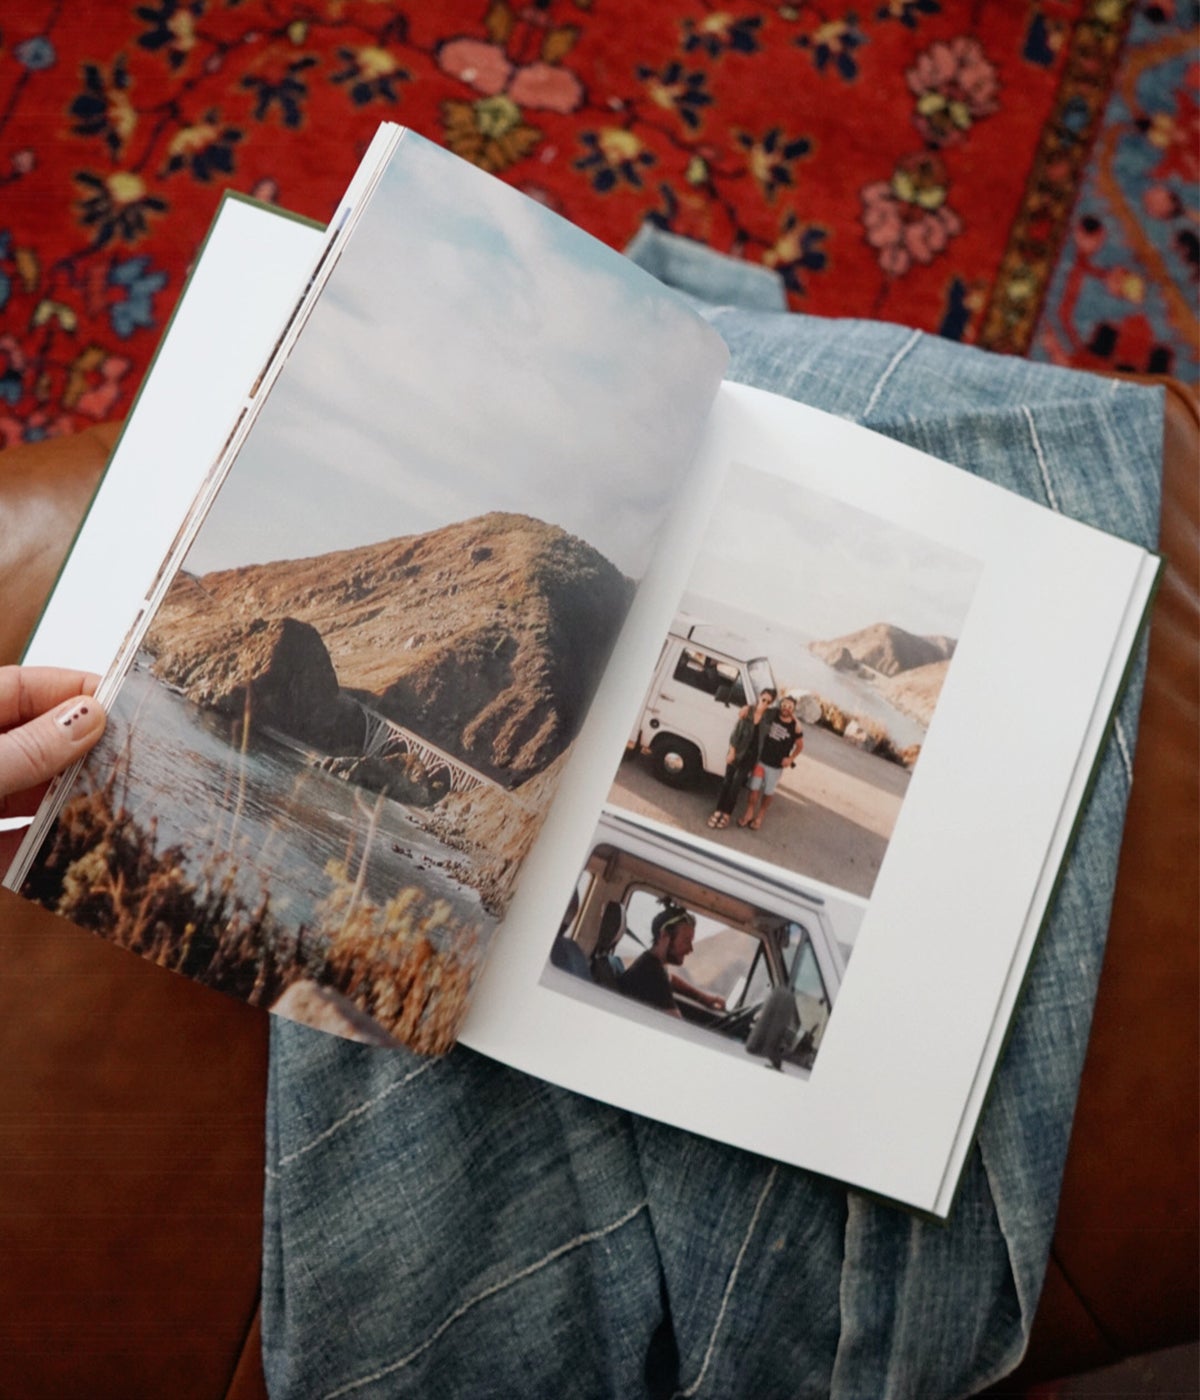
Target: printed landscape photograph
[
  {"x": 795, "y": 690},
  {"x": 347, "y": 717}
]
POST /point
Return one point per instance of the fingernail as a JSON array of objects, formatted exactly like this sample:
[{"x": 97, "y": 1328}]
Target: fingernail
[{"x": 76, "y": 717}]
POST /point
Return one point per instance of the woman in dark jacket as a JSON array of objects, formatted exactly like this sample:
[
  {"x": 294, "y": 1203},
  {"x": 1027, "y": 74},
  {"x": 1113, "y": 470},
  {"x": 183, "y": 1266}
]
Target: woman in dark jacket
[{"x": 741, "y": 758}]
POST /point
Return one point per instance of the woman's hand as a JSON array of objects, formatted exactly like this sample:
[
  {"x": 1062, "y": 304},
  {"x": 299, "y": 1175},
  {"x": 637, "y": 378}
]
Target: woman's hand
[{"x": 48, "y": 719}]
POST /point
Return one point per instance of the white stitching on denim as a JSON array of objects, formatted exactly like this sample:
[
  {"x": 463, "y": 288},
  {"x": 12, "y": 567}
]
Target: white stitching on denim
[
  {"x": 1123, "y": 749},
  {"x": 444, "y": 1326},
  {"x": 737, "y": 1264},
  {"x": 357, "y": 1112},
  {"x": 891, "y": 369},
  {"x": 1043, "y": 465}
]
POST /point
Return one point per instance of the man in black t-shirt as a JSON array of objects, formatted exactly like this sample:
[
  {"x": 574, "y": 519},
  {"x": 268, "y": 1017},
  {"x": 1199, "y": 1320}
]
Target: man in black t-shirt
[
  {"x": 782, "y": 740},
  {"x": 673, "y": 932}
]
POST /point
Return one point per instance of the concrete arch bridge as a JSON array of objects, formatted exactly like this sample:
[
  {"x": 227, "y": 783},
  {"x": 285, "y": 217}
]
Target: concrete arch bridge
[{"x": 385, "y": 738}]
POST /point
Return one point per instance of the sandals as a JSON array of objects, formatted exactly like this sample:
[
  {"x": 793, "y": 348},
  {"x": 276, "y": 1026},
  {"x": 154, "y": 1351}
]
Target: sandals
[{"x": 718, "y": 821}]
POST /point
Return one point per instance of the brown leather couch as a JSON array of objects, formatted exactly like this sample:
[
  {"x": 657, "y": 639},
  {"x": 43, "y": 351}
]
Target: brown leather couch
[{"x": 132, "y": 1102}]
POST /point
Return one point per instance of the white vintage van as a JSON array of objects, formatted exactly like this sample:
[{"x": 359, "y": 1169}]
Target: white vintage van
[
  {"x": 765, "y": 943},
  {"x": 704, "y": 676}
]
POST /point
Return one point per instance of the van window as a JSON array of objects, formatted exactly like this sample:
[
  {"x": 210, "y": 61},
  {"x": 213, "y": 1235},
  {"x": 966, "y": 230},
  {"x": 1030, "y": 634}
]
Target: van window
[
  {"x": 761, "y": 676},
  {"x": 759, "y": 983},
  {"x": 812, "y": 1000},
  {"x": 704, "y": 672},
  {"x": 733, "y": 693},
  {"x": 805, "y": 974}
]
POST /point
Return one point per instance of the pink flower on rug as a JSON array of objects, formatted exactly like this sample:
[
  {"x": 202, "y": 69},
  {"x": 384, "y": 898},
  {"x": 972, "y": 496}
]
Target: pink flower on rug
[
  {"x": 1126, "y": 284},
  {"x": 35, "y": 428},
  {"x": 1161, "y": 203},
  {"x": 1088, "y": 235},
  {"x": 540, "y": 85},
  {"x": 94, "y": 382},
  {"x": 955, "y": 85},
  {"x": 547, "y": 88},
  {"x": 479, "y": 65},
  {"x": 906, "y": 219}
]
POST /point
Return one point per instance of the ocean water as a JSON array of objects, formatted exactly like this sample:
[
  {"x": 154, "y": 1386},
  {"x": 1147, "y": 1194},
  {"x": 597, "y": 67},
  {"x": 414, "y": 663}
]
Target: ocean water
[{"x": 265, "y": 813}]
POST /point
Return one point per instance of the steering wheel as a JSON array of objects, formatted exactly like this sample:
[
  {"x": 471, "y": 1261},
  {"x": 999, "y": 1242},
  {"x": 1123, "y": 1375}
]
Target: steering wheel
[{"x": 734, "y": 1018}]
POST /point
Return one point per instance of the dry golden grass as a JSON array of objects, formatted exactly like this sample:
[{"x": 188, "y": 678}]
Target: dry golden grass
[
  {"x": 409, "y": 963},
  {"x": 105, "y": 872}
]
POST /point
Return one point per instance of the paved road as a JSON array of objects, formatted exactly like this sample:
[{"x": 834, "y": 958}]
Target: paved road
[{"x": 832, "y": 816}]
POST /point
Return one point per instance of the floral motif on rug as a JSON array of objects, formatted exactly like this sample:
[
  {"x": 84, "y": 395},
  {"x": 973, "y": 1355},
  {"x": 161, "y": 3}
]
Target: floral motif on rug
[
  {"x": 879, "y": 155},
  {"x": 1124, "y": 296}
]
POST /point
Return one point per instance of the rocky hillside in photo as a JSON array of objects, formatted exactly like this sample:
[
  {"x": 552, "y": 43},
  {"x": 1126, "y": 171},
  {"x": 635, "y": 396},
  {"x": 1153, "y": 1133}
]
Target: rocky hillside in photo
[
  {"x": 883, "y": 648},
  {"x": 916, "y": 692},
  {"x": 487, "y": 637}
]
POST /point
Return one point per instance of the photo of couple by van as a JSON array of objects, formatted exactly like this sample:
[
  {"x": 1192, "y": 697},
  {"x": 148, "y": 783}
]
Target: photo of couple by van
[{"x": 796, "y": 687}]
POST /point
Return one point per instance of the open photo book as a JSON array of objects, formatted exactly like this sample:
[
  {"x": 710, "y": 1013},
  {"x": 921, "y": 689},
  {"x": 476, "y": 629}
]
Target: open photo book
[{"x": 482, "y": 667}]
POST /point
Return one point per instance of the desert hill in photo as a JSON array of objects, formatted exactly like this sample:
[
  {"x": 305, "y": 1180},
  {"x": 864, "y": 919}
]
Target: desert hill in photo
[
  {"x": 906, "y": 669},
  {"x": 883, "y": 648},
  {"x": 487, "y": 637},
  {"x": 916, "y": 691}
]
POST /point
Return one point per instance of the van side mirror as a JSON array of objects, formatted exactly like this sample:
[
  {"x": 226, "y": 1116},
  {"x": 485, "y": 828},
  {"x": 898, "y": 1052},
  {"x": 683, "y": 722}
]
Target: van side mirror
[{"x": 775, "y": 1027}]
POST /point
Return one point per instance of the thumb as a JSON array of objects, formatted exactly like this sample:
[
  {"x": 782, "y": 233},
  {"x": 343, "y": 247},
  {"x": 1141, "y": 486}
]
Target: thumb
[{"x": 34, "y": 752}]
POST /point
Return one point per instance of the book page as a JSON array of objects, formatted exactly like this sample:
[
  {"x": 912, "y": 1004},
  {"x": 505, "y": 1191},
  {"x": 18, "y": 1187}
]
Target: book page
[
  {"x": 345, "y": 717},
  {"x": 252, "y": 267},
  {"x": 833, "y": 977},
  {"x": 249, "y": 275}
]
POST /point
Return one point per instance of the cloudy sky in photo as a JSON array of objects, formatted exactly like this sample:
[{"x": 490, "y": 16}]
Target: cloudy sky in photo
[
  {"x": 471, "y": 352},
  {"x": 806, "y": 561}
]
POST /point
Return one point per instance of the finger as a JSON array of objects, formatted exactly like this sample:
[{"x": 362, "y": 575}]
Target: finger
[
  {"x": 34, "y": 752},
  {"x": 29, "y": 691}
]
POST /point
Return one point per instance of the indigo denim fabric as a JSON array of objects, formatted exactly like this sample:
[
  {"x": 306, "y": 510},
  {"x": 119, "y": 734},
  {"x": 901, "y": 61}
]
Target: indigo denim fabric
[{"x": 453, "y": 1229}]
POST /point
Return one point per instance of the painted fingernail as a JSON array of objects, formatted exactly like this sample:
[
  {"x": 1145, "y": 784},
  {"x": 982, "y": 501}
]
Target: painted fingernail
[{"x": 76, "y": 715}]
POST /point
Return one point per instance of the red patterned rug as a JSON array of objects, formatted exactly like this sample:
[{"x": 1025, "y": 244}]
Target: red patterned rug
[
  {"x": 912, "y": 160},
  {"x": 1124, "y": 293}
]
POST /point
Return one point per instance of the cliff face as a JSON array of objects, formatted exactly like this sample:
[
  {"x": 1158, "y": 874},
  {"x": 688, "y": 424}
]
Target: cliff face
[
  {"x": 917, "y": 691},
  {"x": 487, "y": 637},
  {"x": 884, "y": 648}
]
